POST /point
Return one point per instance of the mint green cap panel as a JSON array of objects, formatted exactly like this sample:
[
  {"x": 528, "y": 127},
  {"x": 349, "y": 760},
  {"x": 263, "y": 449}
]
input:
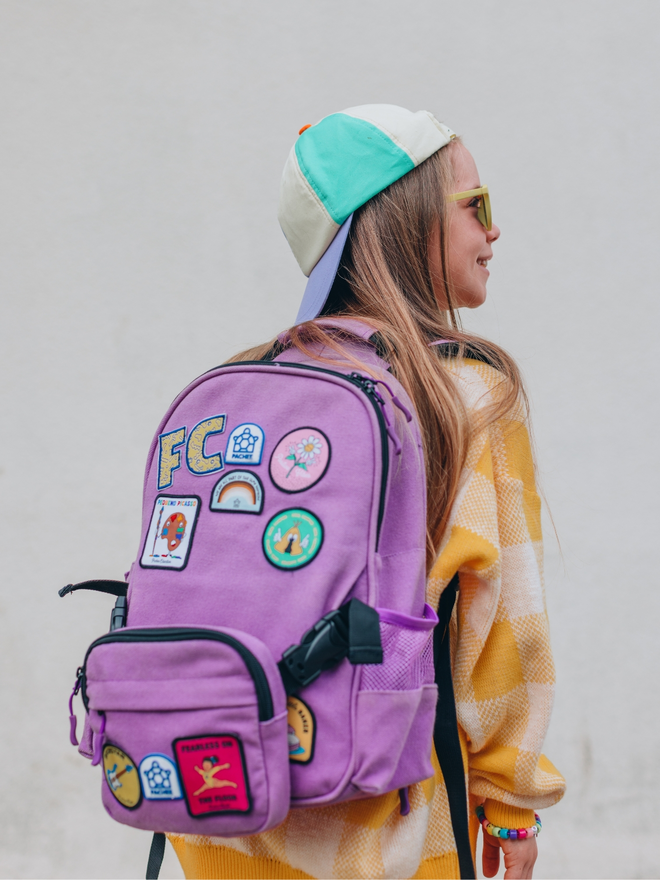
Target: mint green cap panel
[{"x": 346, "y": 161}]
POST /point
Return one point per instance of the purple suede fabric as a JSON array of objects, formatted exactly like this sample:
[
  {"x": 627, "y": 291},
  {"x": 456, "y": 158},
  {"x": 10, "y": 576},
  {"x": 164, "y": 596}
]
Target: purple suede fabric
[{"x": 374, "y": 723}]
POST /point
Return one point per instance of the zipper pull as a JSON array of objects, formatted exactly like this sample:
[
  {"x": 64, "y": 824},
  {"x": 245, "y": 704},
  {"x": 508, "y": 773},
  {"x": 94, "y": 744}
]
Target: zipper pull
[
  {"x": 73, "y": 721},
  {"x": 99, "y": 739},
  {"x": 395, "y": 400},
  {"x": 369, "y": 387}
]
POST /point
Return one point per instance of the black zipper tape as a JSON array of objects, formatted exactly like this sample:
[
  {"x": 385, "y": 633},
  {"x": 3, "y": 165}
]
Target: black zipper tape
[
  {"x": 367, "y": 387},
  {"x": 182, "y": 634}
]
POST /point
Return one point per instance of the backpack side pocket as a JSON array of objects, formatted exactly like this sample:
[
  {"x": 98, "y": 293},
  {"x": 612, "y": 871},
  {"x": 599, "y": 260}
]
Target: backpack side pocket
[{"x": 396, "y": 706}]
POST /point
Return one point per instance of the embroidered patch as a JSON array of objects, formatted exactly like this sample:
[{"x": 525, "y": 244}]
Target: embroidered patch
[
  {"x": 196, "y": 458},
  {"x": 170, "y": 533},
  {"x": 238, "y": 492},
  {"x": 122, "y": 777},
  {"x": 301, "y": 731},
  {"x": 169, "y": 456},
  {"x": 300, "y": 459},
  {"x": 213, "y": 775},
  {"x": 292, "y": 538},
  {"x": 245, "y": 445},
  {"x": 160, "y": 781},
  {"x": 199, "y": 462}
]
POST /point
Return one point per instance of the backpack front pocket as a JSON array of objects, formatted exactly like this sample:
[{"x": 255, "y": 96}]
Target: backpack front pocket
[{"x": 189, "y": 726}]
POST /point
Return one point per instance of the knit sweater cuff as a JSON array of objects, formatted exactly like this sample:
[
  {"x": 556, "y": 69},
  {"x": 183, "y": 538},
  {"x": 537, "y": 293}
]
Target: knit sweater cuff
[{"x": 506, "y": 816}]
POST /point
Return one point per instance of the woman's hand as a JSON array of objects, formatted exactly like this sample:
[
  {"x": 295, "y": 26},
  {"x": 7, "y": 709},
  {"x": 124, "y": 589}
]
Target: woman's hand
[{"x": 519, "y": 857}]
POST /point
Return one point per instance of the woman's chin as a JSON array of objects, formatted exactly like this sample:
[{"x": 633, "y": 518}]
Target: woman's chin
[{"x": 474, "y": 299}]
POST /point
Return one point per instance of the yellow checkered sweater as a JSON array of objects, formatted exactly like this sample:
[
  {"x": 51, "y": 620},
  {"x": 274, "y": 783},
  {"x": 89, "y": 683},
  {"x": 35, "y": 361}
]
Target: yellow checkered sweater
[{"x": 503, "y": 680}]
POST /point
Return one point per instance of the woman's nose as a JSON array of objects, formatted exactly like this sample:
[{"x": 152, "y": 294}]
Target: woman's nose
[{"x": 493, "y": 234}]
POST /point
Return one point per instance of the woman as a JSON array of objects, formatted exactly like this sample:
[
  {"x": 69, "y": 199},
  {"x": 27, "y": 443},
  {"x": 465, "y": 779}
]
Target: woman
[{"x": 380, "y": 209}]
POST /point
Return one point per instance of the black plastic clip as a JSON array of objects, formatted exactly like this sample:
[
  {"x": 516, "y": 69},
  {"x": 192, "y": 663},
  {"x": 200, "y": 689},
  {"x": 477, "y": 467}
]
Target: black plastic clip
[
  {"x": 119, "y": 613},
  {"x": 350, "y": 631},
  {"x": 322, "y": 646}
]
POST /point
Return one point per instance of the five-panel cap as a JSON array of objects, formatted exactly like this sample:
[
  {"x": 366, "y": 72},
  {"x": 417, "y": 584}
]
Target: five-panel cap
[{"x": 336, "y": 166}]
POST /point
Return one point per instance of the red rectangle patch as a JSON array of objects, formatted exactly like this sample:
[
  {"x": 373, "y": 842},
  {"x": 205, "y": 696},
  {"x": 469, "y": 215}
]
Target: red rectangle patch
[{"x": 212, "y": 771}]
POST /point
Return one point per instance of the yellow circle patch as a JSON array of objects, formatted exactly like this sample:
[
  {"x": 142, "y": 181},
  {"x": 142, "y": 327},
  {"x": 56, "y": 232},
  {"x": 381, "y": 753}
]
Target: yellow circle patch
[{"x": 122, "y": 776}]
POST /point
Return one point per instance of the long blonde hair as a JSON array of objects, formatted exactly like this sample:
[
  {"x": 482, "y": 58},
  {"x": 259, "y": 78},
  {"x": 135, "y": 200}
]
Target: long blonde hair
[{"x": 384, "y": 279}]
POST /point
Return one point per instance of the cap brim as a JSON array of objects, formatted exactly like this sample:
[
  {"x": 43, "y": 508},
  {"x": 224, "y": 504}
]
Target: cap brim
[{"x": 323, "y": 275}]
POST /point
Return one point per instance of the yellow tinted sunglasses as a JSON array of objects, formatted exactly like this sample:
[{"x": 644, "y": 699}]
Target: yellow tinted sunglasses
[{"x": 483, "y": 209}]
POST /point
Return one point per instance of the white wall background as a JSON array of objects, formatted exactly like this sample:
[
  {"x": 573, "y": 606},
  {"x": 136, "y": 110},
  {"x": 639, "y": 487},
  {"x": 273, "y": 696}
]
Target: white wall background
[{"x": 142, "y": 143}]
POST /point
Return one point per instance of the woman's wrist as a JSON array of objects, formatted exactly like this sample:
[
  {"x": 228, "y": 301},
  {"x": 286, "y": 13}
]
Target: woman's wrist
[
  {"x": 521, "y": 833},
  {"x": 506, "y": 815}
]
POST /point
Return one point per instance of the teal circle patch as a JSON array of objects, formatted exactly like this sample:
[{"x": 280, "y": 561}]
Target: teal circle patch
[{"x": 292, "y": 538}]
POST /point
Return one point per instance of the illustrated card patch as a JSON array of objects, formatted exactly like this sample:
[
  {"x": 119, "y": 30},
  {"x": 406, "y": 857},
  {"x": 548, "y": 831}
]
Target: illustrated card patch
[
  {"x": 245, "y": 445},
  {"x": 122, "y": 777},
  {"x": 170, "y": 533},
  {"x": 292, "y": 538},
  {"x": 301, "y": 730},
  {"x": 160, "y": 781},
  {"x": 213, "y": 775},
  {"x": 238, "y": 492},
  {"x": 300, "y": 459}
]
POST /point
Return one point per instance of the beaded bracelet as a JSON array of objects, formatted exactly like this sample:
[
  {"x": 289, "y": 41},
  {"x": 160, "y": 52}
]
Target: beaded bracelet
[{"x": 508, "y": 833}]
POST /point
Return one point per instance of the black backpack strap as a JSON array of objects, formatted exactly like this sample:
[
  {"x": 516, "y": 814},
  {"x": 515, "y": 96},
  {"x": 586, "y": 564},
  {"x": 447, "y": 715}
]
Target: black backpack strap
[
  {"x": 114, "y": 588},
  {"x": 445, "y": 733},
  {"x": 156, "y": 854}
]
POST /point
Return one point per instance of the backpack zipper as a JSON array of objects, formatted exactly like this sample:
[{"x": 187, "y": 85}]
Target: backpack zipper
[
  {"x": 369, "y": 389},
  {"x": 181, "y": 634},
  {"x": 367, "y": 386}
]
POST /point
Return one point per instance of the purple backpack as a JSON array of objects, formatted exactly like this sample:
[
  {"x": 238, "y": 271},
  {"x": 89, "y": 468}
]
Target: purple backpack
[{"x": 272, "y": 647}]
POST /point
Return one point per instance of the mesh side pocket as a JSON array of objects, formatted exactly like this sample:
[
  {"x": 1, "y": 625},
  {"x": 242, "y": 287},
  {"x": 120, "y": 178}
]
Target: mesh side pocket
[{"x": 407, "y": 655}]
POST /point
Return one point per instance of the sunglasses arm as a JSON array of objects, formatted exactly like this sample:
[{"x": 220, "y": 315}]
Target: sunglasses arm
[{"x": 468, "y": 194}]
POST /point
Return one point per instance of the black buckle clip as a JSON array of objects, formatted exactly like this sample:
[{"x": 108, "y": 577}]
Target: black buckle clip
[
  {"x": 119, "y": 613},
  {"x": 322, "y": 646}
]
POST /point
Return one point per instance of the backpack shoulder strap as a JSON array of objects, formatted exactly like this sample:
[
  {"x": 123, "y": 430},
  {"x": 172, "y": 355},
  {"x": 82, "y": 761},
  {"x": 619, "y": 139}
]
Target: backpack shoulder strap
[
  {"x": 156, "y": 854},
  {"x": 445, "y": 733},
  {"x": 356, "y": 327},
  {"x": 372, "y": 353}
]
